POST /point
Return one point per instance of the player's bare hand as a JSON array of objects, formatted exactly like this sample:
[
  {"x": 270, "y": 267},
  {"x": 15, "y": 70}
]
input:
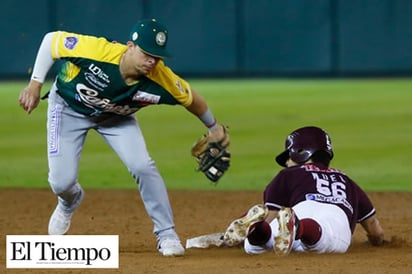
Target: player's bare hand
[
  {"x": 30, "y": 96},
  {"x": 219, "y": 133}
]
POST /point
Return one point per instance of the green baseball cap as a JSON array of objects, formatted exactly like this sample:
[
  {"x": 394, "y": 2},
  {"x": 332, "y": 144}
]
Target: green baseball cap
[{"x": 151, "y": 37}]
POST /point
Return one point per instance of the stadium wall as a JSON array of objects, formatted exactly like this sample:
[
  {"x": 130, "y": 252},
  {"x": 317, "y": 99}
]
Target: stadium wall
[{"x": 230, "y": 38}]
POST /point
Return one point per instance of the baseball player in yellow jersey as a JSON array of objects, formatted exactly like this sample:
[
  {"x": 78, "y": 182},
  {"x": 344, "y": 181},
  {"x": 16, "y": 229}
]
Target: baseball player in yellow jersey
[{"x": 100, "y": 86}]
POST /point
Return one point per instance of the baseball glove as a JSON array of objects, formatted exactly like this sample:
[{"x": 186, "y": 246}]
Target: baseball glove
[{"x": 212, "y": 157}]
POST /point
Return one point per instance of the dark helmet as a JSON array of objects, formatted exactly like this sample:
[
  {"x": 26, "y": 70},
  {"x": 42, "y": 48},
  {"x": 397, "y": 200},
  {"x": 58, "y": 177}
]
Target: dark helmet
[{"x": 301, "y": 144}]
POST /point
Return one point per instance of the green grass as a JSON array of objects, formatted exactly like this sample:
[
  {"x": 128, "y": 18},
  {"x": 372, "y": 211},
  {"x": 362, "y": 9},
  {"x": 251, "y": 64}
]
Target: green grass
[{"x": 369, "y": 122}]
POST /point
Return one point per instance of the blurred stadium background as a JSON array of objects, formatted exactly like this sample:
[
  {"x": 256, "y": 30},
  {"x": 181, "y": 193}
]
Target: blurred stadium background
[
  {"x": 259, "y": 50},
  {"x": 236, "y": 38}
]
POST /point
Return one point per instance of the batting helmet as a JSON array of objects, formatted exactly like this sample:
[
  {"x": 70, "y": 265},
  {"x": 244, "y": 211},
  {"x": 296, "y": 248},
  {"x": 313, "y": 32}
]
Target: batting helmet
[{"x": 302, "y": 143}]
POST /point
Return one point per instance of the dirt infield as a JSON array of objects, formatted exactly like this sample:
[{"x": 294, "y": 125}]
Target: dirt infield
[{"x": 121, "y": 212}]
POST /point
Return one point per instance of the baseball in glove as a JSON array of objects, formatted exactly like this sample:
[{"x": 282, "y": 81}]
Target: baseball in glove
[{"x": 212, "y": 156}]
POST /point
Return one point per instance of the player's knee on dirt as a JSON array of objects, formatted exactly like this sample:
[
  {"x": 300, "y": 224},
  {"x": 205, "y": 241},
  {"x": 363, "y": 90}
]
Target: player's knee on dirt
[{"x": 259, "y": 233}]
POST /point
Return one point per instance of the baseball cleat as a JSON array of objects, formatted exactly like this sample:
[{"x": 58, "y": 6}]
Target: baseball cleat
[
  {"x": 60, "y": 220},
  {"x": 171, "y": 247},
  {"x": 287, "y": 231},
  {"x": 238, "y": 230}
]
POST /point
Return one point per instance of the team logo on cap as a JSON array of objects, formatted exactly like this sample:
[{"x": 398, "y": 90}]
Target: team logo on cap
[
  {"x": 135, "y": 35},
  {"x": 161, "y": 38}
]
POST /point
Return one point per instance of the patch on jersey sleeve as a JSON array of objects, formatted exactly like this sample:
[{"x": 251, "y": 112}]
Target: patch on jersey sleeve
[
  {"x": 181, "y": 88},
  {"x": 142, "y": 96},
  {"x": 70, "y": 42}
]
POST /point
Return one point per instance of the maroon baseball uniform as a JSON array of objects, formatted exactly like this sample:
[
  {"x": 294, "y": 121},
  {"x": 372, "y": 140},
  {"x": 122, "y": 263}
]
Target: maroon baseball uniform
[{"x": 325, "y": 185}]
